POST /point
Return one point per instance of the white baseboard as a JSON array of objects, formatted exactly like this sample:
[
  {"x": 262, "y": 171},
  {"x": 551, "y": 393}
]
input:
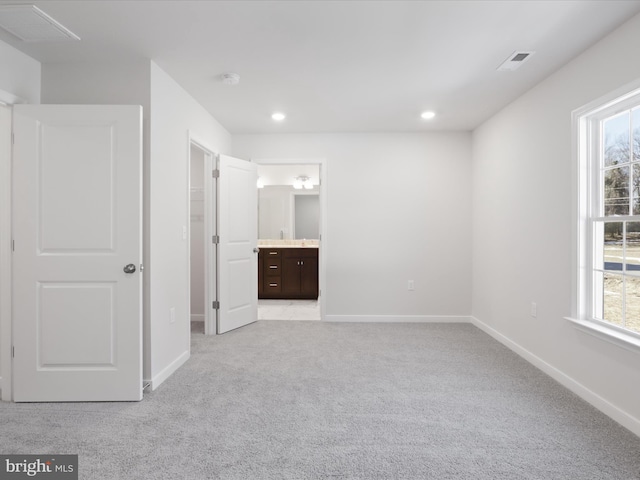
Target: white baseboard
[
  {"x": 398, "y": 318},
  {"x": 157, "y": 380},
  {"x": 197, "y": 317},
  {"x": 623, "y": 418}
]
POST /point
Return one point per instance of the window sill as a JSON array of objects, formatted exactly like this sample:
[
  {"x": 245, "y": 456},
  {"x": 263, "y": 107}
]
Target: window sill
[{"x": 621, "y": 339}]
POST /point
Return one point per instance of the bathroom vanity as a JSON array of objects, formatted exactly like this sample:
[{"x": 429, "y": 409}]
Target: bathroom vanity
[{"x": 289, "y": 272}]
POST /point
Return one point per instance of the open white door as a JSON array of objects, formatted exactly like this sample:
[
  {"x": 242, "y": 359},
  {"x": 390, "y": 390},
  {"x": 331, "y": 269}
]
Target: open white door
[
  {"x": 237, "y": 250},
  {"x": 77, "y": 228}
]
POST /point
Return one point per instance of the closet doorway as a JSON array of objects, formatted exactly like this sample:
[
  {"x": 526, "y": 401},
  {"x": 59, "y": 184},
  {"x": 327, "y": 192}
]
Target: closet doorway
[
  {"x": 202, "y": 198},
  {"x": 290, "y": 224},
  {"x": 196, "y": 239},
  {"x": 222, "y": 241}
]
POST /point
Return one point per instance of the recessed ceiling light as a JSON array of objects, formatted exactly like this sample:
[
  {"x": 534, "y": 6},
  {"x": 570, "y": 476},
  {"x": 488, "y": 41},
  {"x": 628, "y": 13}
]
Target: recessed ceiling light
[
  {"x": 428, "y": 115},
  {"x": 278, "y": 117}
]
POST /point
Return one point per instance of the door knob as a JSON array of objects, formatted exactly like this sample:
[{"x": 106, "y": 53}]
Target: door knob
[
  {"x": 256, "y": 250},
  {"x": 129, "y": 268}
]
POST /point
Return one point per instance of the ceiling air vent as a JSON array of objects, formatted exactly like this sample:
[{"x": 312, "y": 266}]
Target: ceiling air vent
[
  {"x": 515, "y": 60},
  {"x": 29, "y": 23}
]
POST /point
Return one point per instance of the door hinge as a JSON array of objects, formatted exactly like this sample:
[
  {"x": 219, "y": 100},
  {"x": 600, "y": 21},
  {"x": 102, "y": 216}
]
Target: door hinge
[
  {"x": 215, "y": 305},
  {"x": 13, "y": 245},
  {"x": 13, "y": 138},
  {"x": 215, "y": 173},
  {"x": 13, "y": 351},
  {"x": 215, "y": 239}
]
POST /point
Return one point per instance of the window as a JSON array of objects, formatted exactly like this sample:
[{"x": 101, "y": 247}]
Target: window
[{"x": 608, "y": 270}]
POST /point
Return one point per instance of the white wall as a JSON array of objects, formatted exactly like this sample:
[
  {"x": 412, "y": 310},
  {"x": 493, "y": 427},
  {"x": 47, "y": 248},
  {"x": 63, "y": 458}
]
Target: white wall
[
  {"x": 522, "y": 227},
  {"x": 174, "y": 114},
  {"x": 399, "y": 209},
  {"x": 19, "y": 82},
  {"x": 125, "y": 83},
  {"x": 19, "y": 74}
]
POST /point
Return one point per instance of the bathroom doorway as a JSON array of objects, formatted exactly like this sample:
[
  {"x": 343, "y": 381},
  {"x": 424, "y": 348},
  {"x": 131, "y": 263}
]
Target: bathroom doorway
[{"x": 291, "y": 197}]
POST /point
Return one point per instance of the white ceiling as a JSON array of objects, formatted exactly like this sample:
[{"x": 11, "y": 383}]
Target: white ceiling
[{"x": 337, "y": 66}]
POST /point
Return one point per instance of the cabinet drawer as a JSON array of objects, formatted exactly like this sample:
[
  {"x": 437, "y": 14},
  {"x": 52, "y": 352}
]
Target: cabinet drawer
[
  {"x": 272, "y": 286},
  {"x": 300, "y": 252},
  {"x": 272, "y": 266}
]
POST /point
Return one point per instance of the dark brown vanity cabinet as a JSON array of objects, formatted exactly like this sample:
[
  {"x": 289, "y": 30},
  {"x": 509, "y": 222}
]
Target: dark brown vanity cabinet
[
  {"x": 300, "y": 273},
  {"x": 288, "y": 273},
  {"x": 270, "y": 275}
]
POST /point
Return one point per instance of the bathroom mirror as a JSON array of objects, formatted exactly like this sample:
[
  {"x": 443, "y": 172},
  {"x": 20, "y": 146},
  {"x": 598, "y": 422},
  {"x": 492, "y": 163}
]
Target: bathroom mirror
[
  {"x": 285, "y": 213},
  {"x": 306, "y": 216}
]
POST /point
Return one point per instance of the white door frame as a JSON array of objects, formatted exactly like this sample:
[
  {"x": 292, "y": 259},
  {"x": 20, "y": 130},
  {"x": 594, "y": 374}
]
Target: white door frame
[
  {"x": 210, "y": 229},
  {"x": 322, "y": 163},
  {"x": 5, "y": 253},
  {"x": 7, "y": 99}
]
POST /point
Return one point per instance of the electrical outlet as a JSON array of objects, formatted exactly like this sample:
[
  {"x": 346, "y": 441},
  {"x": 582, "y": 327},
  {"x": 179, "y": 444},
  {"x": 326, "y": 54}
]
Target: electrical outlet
[
  {"x": 410, "y": 286},
  {"x": 534, "y": 309},
  {"x": 172, "y": 315}
]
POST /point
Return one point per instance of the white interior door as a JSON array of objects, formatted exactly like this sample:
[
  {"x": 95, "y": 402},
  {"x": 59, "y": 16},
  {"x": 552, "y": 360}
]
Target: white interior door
[
  {"x": 237, "y": 252},
  {"x": 77, "y": 228}
]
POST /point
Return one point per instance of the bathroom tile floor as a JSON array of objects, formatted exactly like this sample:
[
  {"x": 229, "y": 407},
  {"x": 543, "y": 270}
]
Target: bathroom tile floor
[{"x": 288, "y": 310}]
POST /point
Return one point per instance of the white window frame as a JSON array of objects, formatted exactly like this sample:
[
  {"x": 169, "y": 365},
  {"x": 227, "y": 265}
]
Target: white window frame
[{"x": 586, "y": 129}]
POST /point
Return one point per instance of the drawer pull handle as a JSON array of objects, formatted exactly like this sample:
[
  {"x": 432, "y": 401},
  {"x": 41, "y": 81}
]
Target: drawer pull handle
[
  {"x": 273, "y": 253},
  {"x": 273, "y": 284},
  {"x": 273, "y": 267}
]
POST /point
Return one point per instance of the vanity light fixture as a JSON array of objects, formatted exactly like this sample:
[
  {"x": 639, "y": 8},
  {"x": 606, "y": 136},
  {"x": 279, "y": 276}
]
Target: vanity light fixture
[
  {"x": 301, "y": 182},
  {"x": 278, "y": 116},
  {"x": 428, "y": 115}
]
